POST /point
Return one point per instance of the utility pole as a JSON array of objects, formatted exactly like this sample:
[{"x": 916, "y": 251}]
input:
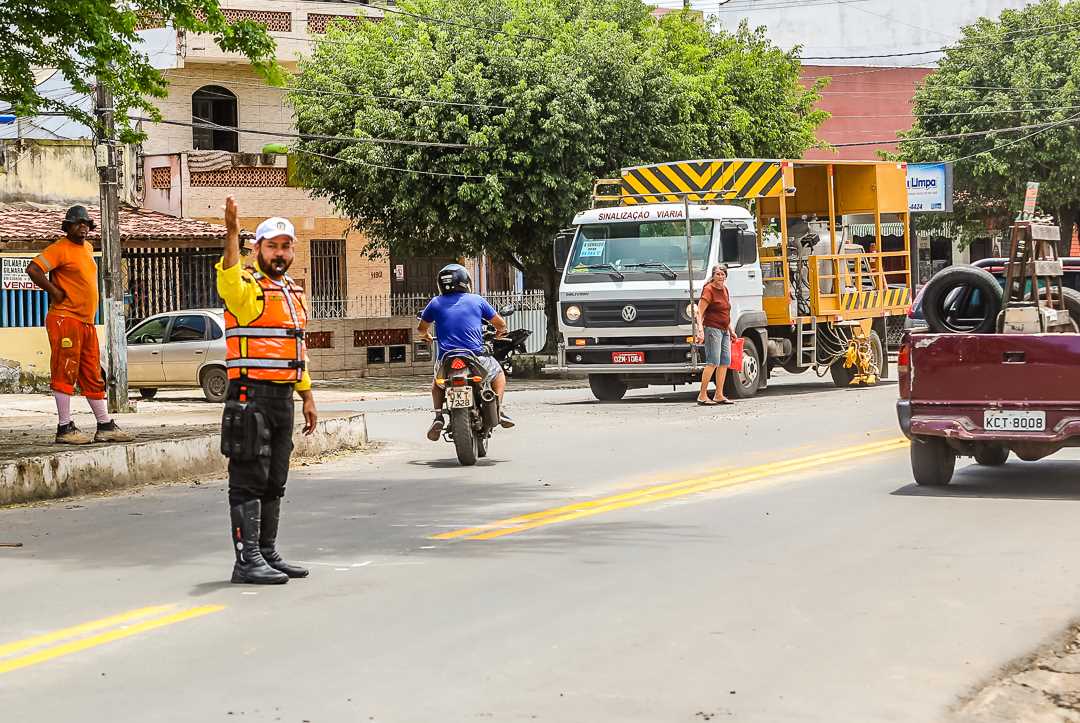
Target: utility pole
[{"x": 115, "y": 336}]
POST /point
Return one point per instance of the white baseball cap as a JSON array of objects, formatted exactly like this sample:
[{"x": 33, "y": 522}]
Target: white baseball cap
[{"x": 275, "y": 226}]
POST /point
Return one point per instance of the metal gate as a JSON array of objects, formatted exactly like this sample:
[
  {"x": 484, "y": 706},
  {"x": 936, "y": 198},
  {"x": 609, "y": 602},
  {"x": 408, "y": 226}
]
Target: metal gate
[
  {"x": 161, "y": 280},
  {"x": 328, "y": 277}
]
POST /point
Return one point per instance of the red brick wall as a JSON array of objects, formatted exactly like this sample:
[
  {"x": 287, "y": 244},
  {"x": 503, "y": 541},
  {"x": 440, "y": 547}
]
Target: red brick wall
[{"x": 884, "y": 94}]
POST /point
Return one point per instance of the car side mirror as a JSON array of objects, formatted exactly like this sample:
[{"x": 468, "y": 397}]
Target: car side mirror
[
  {"x": 561, "y": 248},
  {"x": 748, "y": 247}
]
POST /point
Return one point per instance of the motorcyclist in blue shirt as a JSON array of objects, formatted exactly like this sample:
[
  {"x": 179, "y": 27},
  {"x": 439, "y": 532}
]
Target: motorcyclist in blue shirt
[{"x": 459, "y": 317}]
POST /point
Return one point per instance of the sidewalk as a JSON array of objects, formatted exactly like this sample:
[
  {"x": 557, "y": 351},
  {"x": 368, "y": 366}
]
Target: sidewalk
[{"x": 176, "y": 437}]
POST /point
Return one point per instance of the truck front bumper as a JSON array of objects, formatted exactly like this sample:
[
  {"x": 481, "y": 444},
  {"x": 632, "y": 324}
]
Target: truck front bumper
[{"x": 587, "y": 369}]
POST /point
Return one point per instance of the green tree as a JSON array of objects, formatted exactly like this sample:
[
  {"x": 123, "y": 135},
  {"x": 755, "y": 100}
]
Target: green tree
[
  {"x": 565, "y": 92},
  {"x": 1019, "y": 69},
  {"x": 95, "y": 39}
]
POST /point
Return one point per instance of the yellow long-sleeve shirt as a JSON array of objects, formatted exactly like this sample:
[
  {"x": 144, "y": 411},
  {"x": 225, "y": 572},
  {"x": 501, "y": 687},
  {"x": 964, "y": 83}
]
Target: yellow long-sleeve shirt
[{"x": 241, "y": 295}]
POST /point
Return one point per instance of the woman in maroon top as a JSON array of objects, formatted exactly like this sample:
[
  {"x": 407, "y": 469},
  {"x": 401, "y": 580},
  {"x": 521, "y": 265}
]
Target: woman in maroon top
[{"x": 714, "y": 330}]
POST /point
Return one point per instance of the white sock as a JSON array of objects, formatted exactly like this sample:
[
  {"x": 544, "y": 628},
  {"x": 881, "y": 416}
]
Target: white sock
[
  {"x": 63, "y": 407},
  {"x": 101, "y": 410}
]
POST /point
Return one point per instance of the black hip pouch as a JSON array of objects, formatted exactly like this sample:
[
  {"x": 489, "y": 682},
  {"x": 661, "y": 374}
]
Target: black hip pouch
[{"x": 245, "y": 435}]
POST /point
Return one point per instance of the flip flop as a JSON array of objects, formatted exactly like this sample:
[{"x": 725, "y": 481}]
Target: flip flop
[
  {"x": 706, "y": 404},
  {"x": 724, "y": 401}
]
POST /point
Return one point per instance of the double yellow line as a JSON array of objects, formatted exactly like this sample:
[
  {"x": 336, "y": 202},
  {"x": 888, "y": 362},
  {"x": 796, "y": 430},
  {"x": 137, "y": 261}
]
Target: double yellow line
[
  {"x": 647, "y": 495},
  {"x": 115, "y": 627}
]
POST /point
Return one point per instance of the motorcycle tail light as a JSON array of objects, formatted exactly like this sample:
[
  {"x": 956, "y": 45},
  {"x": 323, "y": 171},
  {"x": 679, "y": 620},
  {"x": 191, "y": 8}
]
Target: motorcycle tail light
[
  {"x": 477, "y": 379},
  {"x": 457, "y": 364},
  {"x": 459, "y": 381}
]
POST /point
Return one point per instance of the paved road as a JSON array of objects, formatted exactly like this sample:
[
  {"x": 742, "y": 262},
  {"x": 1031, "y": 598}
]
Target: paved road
[{"x": 644, "y": 561}]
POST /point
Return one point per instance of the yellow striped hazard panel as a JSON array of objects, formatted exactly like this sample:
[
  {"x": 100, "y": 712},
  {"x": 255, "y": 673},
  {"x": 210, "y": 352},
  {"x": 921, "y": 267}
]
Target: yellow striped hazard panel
[
  {"x": 866, "y": 300},
  {"x": 703, "y": 180}
]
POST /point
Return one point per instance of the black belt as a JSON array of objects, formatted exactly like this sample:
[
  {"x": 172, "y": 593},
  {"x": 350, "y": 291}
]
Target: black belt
[{"x": 269, "y": 390}]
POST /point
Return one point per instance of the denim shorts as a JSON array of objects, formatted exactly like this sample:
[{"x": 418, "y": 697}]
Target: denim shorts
[{"x": 717, "y": 347}]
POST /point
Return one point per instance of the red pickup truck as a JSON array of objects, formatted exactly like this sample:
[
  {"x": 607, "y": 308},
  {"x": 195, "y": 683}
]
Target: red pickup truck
[{"x": 984, "y": 395}]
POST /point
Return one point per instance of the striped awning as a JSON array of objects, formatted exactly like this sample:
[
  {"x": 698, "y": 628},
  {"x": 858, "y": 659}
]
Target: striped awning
[{"x": 867, "y": 229}]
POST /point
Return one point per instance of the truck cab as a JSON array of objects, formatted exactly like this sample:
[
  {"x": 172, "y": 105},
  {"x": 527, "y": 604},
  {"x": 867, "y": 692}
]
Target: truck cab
[
  {"x": 635, "y": 264},
  {"x": 625, "y": 306}
]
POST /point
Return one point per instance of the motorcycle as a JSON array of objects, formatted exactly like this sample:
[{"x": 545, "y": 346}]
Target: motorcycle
[
  {"x": 504, "y": 349},
  {"x": 470, "y": 403}
]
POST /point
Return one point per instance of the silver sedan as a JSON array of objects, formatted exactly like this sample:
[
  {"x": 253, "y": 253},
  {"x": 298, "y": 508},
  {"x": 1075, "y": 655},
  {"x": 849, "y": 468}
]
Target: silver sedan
[{"x": 180, "y": 349}]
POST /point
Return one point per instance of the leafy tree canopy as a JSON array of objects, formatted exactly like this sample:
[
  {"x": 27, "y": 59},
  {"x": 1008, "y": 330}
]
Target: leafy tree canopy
[
  {"x": 96, "y": 39},
  {"x": 1017, "y": 70},
  {"x": 564, "y": 92}
]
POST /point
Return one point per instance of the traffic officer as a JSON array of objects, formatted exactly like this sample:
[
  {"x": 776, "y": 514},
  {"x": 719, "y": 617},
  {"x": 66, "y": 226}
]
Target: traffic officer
[{"x": 266, "y": 359}]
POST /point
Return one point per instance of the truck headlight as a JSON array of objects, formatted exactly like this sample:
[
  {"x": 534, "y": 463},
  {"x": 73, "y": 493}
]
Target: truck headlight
[
  {"x": 573, "y": 312},
  {"x": 688, "y": 312}
]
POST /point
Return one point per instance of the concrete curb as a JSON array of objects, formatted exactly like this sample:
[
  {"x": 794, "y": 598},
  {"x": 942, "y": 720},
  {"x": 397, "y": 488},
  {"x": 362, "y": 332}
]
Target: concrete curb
[{"x": 123, "y": 465}]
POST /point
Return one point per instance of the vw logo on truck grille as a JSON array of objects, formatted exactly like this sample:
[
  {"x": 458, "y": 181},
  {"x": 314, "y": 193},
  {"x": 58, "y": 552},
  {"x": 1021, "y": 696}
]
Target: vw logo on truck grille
[{"x": 629, "y": 313}]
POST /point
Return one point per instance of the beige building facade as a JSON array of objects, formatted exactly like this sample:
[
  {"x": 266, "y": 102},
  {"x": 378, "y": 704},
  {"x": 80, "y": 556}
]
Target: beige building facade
[{"x": 189, "y": 171}]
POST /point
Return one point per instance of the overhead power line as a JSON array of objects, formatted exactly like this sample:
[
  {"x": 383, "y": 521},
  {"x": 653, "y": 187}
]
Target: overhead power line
[
  {"x": 343, "y": 94},
  {"x": 358, "y": 162},
  {"x": 306, "y": 136},
  {"x": 1013, "y": 142},
  {"x": 953, "y": 136},
  {"x": 448, "y": 23}
]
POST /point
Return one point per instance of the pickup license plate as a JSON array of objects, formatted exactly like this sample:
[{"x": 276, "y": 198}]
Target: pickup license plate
[
  {"x": 1014, "y": 421},
  {"x": 459, "y": 397},
  {"x": 628, "y": 357}
]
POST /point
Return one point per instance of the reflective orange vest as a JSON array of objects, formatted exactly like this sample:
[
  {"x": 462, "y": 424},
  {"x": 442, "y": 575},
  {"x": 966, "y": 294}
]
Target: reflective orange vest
[{"x": 270, "y": 348}]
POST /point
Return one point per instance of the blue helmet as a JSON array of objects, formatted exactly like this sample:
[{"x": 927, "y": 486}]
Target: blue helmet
[{"x": 452, "y": 278}]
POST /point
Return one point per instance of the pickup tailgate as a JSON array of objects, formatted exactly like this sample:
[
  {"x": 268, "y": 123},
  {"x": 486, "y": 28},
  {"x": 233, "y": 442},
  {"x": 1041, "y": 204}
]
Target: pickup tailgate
[{"x": 1007, "y": 370}]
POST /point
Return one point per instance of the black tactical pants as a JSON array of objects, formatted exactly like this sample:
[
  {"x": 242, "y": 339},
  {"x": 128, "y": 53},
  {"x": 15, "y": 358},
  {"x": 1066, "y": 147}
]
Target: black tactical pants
[{"x": 264, "y": 477}]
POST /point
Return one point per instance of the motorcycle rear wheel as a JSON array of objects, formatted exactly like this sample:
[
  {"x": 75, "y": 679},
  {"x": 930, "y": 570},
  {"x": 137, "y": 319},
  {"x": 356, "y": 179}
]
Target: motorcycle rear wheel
[{"x": 465, "y": 441}]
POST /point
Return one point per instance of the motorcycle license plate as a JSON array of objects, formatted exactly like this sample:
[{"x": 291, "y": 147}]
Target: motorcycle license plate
[
  {"x": 628, "y": 357},
  {"x": 459, "y": 397},
  {"x": 1014, "y": 421}
]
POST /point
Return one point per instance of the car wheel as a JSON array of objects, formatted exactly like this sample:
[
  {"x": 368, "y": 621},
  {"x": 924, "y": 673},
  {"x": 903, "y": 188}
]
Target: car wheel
[
  {"x": 932, "y": 461},
  {"x": 146, "y": 393},
  {"x": 215, "y": 384}
]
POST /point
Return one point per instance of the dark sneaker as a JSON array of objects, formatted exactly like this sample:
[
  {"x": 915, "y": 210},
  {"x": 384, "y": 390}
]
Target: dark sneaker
[
  {"x": 69, "y": 434},
  {"x": 109, "y": 432},
  {"x": 435, "y": 431},
  {"x": 504, "y": 421}
]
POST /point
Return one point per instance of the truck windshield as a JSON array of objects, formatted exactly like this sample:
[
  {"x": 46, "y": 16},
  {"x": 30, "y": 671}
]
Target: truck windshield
[{"x": 600, "y": 248}]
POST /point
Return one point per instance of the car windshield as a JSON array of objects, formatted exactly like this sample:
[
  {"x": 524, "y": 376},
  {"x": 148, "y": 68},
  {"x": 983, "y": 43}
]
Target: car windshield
[{"x": 606, "y": 247}]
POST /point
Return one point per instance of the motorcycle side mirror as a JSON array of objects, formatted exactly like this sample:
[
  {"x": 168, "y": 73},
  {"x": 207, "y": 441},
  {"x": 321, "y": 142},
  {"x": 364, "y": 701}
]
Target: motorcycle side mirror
[{"x": 507, "y": 310}]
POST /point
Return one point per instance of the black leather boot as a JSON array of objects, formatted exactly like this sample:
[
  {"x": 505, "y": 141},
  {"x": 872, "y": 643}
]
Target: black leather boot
[
  {"x": 250, "y": 566},
  {"x": 271, "y": 514}
]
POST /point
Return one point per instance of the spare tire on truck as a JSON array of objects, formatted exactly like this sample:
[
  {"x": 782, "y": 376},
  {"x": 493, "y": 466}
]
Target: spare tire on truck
[
  {"x": 962, "y": 300},
  {"x": 1072, "y": 304}
]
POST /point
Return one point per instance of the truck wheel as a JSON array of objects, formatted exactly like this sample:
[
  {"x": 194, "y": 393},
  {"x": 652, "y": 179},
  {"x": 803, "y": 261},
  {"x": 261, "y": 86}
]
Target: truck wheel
[
  {"x": 744, "y": 383},
  {"x": 842, "y": 376},
  {"x": 147, "y": 393},
  {"x": 606, "y": 387},
  {"x": 991, "y": 455},
  {"x": 932, "y": 461}
]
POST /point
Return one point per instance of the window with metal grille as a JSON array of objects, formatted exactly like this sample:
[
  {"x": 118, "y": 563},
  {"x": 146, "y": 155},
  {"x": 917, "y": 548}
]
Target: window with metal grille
[{"x": 328, "y": 277}]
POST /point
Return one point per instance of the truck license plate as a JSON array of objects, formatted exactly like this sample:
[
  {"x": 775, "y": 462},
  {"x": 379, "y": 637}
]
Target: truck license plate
[
  {"x": 628, "y": 357},
  {"x": 1014, "y": 421},
  {"x": 459, "y": 397}
]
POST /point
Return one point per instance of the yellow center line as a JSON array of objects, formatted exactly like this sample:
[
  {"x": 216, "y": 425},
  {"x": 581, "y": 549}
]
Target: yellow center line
[
  {"x": 57, "y": 635},
  {"x": 647, "y": 495},
  {"x": 76, "y": 646}
]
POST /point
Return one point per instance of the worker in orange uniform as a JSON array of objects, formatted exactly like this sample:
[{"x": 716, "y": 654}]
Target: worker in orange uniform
[
  {"x": 67, "y": 272},
  {"x": 267, "y": 361}
]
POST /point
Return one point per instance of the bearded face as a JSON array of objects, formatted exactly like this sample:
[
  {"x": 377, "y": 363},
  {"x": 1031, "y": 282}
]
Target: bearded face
[{"x": 276, "y": 255}]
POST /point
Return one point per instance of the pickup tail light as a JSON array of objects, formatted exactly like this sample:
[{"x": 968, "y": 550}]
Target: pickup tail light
[{"x": 903, "y": 368}]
